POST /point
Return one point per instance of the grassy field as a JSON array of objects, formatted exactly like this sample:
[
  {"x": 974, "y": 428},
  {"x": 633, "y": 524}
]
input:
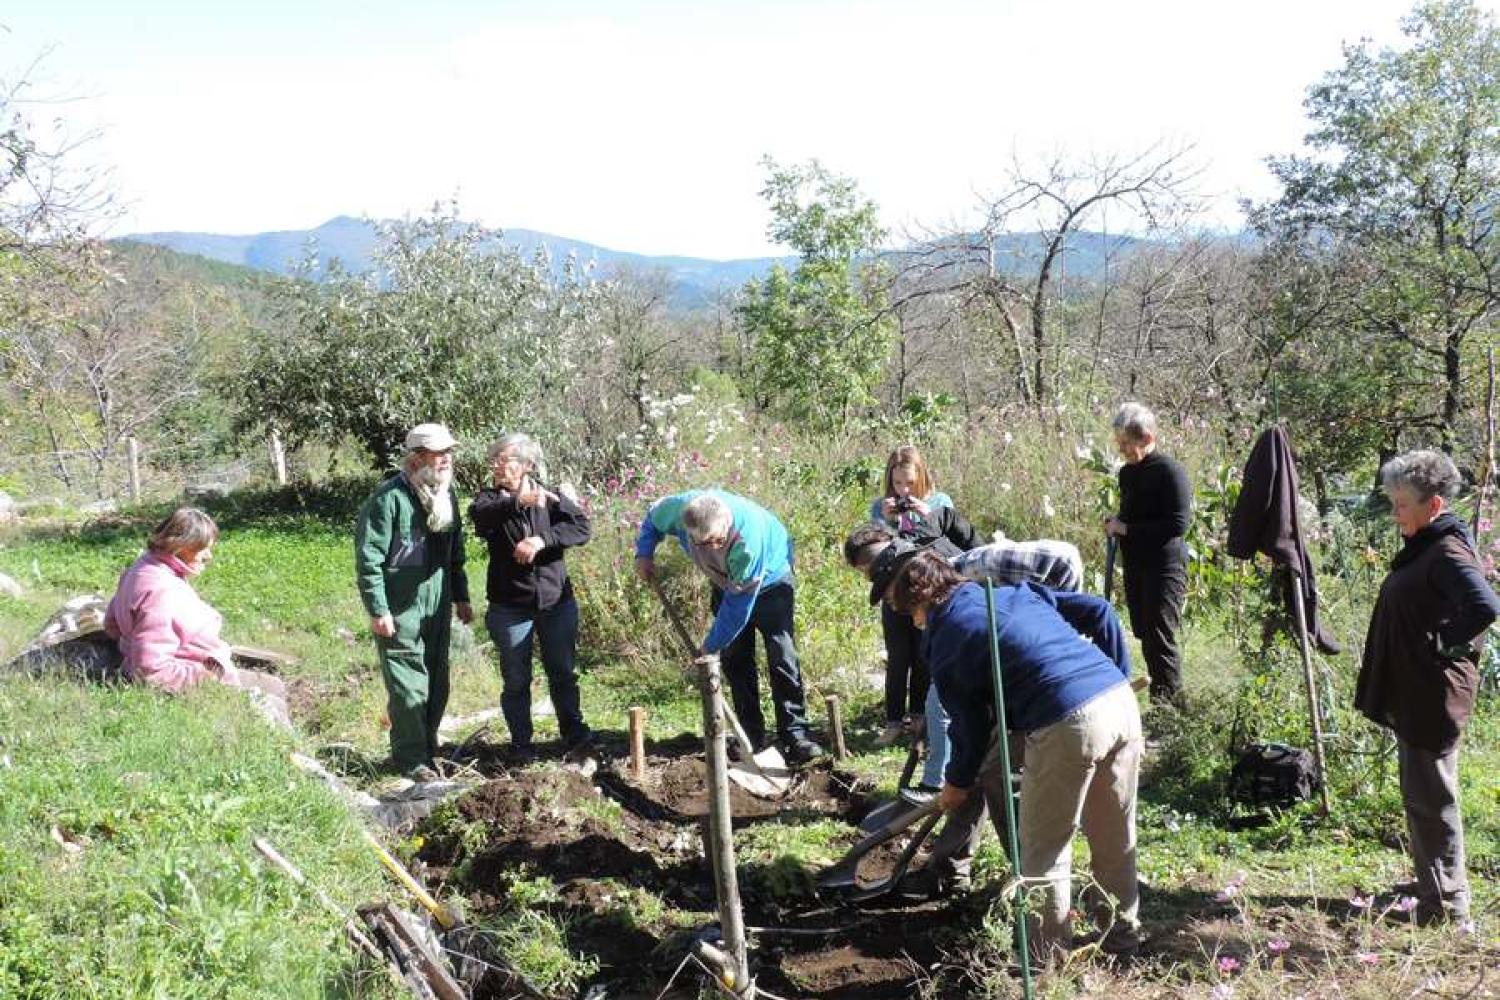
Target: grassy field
[{"x": 126, "y": 818}]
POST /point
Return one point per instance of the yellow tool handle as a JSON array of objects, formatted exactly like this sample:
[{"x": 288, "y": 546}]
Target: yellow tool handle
[{"x": 439, "y": 912}]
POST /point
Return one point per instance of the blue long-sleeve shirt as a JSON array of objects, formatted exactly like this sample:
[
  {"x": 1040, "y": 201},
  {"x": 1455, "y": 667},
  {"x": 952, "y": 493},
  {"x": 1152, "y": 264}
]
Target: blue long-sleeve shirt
[
  {"x": 759, "y": 554},
  {"x": 1048, "y": 668}
]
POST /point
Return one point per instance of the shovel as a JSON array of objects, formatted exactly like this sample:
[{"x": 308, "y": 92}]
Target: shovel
[
  {"x": 884, "y": 813},
  {"x": 842, "y": 878},
  {"x": 1111, "y": 546},
  {"x": 764, "y": 774}
]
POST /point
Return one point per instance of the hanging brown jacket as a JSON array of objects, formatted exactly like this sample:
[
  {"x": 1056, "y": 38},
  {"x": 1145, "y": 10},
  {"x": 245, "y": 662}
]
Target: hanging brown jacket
[
  {"x": 1420, "y": 672},
  {"x": 1265, "y": 520}
]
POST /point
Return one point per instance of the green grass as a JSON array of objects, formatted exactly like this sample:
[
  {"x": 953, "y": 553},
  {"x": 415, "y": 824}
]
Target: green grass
[
  {"x": 165, "y": 898},
  {"x": 126, "y": 864}
]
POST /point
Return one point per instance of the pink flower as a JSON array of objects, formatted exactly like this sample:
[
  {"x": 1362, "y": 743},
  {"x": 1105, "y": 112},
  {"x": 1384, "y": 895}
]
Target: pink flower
[
  {"x": 1467, "y": 927},
  {"x": 1223, "y": 991},
  {"x": 1405, "y": 904},
  {"x": 1359, "y": 902},
  {"x": 1366, "y": 958},
  {"x": 1227, "y": 893},
  {"x": 1228, "y": 964},
  {"x": 1278, "y": 945}
]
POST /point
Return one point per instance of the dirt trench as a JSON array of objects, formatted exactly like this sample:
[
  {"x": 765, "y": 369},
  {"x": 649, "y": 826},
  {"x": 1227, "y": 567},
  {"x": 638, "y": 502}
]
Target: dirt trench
[{"x": 631, "y": 885}]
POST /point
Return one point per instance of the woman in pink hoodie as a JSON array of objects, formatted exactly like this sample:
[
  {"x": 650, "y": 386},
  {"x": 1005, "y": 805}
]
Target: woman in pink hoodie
[{"x": 168, "y": 635}]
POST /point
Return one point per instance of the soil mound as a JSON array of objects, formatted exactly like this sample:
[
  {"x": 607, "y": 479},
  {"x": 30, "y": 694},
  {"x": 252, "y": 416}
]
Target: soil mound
[{"x": 631, "y": 886}]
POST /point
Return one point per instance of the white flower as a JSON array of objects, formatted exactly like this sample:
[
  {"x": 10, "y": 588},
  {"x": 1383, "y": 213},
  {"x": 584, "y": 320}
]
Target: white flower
[
  {"x": 1008, "y": 438},
  {"x": 1047, "y": 509}
]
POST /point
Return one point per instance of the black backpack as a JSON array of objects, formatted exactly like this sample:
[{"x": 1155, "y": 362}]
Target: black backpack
[{"x": 1272, "y": 776}]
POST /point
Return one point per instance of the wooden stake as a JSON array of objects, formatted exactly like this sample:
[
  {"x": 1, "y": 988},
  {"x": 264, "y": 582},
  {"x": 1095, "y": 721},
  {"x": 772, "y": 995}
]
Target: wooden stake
[
  {"x": 836, "y": 726},
  {"x": 719, "y": 842},
  {"x": 278, "y": 458},
  {"x": 637, "y": 743},
  {"x": 133, "y": 452}
]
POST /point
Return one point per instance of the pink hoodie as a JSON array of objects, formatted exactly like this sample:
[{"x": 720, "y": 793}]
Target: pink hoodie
[{"x": 167, "y": 633}]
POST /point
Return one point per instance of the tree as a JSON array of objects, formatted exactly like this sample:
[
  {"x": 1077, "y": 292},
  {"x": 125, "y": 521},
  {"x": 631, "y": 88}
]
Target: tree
[
  {"x": 95, "y": 355},
  {"x": 1055, "y": 199},
  {"x": 451, "y": 325},
  {"x": 819, "y": 333},
  {"x": 1399, "y": 182},
  {"x": 47, "y": 200}
]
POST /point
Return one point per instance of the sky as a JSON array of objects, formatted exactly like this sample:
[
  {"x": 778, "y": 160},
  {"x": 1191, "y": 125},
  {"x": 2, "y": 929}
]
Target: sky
[{"x": 641, "y": 126}]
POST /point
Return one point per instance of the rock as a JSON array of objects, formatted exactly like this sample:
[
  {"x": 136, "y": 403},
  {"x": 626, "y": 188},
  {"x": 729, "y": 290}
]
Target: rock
[
  {"x": 9, "y": 587},
  {"x": 99, "y": 507}
]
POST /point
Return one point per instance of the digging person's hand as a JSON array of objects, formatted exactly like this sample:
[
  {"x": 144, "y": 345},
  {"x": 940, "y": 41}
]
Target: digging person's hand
[
  {"x": 952, "y": 797},
  {"x": 383, "y": 626}
]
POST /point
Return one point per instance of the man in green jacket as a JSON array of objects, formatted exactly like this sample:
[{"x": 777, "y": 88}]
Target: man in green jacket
[{"x": 409, "y": 565}]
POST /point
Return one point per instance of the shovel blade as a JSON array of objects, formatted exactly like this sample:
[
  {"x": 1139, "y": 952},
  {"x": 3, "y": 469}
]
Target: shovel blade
[{"x": 758, "y": 785}]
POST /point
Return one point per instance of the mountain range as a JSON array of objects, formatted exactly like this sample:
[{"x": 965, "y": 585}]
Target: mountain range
[{"x": 695, "y": 280}]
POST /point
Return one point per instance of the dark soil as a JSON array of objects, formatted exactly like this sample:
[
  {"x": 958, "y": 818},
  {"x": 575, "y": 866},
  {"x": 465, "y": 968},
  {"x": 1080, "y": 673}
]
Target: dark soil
[{"x": 609, "y": 843}]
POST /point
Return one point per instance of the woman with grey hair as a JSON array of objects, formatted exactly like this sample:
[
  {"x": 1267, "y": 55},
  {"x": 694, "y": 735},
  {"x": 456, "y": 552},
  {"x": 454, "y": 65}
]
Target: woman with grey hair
[
  {"x": 1156, "y": 507},
  {"x": 528, "y": 529},
  {"x": 1420, "y": 669}
]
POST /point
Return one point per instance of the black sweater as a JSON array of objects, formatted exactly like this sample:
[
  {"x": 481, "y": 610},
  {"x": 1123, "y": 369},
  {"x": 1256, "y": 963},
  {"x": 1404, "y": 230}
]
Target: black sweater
[
  {"x": 1156, "y": 505},
  {"x": 502, "y": 523}
]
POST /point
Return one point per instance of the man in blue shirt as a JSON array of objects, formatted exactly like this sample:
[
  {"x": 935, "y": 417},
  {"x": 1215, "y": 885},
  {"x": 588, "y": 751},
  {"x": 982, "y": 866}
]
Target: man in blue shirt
[
  {"x": 1070, "y": 695},
  {"x": 747, "y": 555}
]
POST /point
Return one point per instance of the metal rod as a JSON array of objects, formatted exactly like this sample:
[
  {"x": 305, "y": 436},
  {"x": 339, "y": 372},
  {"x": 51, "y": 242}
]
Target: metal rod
[
  {"x": 1013, "y": 841},
  {"x": 1313, "y": 716},
  {"x": 719, "y": 843}
]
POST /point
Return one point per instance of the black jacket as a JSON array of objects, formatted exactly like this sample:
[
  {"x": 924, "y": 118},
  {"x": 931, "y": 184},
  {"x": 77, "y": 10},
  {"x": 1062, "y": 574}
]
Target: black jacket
[
  {"x": 1156, "y": 505},
  {"x": 1420, "y": 671},
  {"x": 946, "y": 530},
  {"x": 1265, "y": 520},
  {"x": 501, "y": 522}
]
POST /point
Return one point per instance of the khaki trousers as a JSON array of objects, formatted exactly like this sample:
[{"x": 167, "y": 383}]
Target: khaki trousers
[{"x": 1081, "y": 773}]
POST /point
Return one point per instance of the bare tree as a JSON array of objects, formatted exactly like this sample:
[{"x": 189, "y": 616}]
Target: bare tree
[
  {"x": 1050, "y": 202},
  {"x": 48, "y": 199}
]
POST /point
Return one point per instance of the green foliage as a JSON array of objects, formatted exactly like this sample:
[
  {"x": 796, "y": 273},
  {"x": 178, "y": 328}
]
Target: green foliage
[
  {"x": 1396, "y": 195},
  {"x": 453, "y": 325},
  {"x": 820, "y": 333}
]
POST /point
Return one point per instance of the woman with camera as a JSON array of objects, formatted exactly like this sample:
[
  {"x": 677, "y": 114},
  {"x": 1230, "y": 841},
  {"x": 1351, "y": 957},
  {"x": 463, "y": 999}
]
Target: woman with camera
[{"x": 916, "y": 512}]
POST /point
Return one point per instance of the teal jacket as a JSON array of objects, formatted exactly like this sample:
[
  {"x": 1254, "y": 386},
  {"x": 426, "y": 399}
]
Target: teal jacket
[{"x": 759, "y": 554}]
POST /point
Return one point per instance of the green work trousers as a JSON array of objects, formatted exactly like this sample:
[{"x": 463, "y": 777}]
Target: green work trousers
[{"x": 414, "y": 664}]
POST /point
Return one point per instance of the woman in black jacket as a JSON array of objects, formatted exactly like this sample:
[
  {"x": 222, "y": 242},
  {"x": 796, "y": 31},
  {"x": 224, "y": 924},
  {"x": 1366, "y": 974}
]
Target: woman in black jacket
[
  {"x": 1156, "y": 507},
  {"x": 1420, "y": 674},
  {"x": 528, "y": 528}
]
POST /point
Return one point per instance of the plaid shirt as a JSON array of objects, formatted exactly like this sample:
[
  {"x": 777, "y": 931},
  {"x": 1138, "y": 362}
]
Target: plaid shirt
[{"x": 1053, "y": 564}]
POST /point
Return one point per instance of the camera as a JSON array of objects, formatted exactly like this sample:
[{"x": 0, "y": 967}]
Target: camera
[{"x": 904, "y": 504}]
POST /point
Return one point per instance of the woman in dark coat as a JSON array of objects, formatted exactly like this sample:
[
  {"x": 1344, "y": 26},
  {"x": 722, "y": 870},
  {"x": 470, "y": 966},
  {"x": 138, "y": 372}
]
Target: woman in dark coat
[
  {"x": 1156, "y": 507},
  {"x": 1420, "y": 673},
  {"x": 528, "y": 528}
]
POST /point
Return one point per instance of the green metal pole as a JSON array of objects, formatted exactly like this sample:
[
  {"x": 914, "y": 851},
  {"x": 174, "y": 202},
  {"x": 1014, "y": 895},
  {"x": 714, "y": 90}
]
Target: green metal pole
[{"x": 1010, "y": 801}]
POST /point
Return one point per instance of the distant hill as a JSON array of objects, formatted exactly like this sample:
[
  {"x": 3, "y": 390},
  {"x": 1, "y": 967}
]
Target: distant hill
[{"x": 695, "y": 279}]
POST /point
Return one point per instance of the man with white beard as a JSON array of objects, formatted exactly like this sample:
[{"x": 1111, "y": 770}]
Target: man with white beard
[{"x": 409, "y": 565}]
